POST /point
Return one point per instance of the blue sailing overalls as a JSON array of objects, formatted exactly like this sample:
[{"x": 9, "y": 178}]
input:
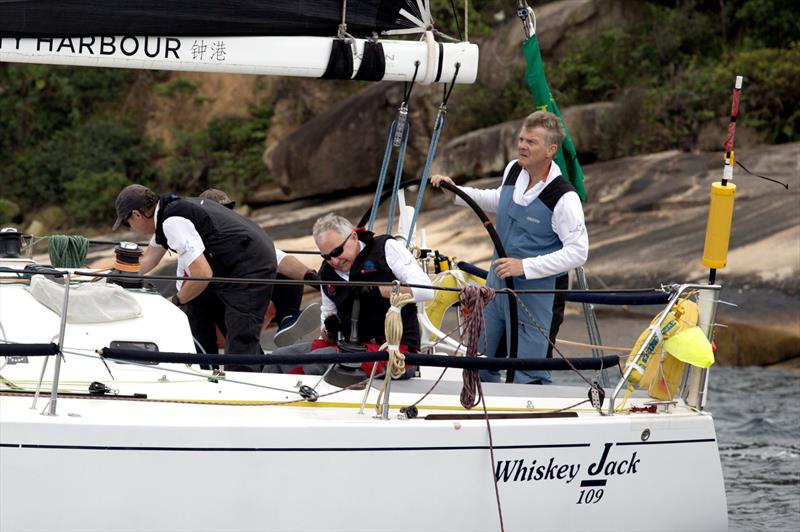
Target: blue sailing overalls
[{"x": 524, "y": 232}]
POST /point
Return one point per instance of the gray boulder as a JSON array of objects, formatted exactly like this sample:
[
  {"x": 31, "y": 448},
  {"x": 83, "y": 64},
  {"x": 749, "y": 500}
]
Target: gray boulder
[
  {"x": 343, "y": 148},
  {"x": 485, "y": 152},
  {"x": 480, "y": 153}
]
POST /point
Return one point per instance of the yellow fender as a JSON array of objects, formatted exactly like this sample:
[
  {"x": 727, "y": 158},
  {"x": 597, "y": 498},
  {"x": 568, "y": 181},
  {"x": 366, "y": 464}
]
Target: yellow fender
[
  {"x": 658, "y": 371},
  {"x": 444, "y": 299}
]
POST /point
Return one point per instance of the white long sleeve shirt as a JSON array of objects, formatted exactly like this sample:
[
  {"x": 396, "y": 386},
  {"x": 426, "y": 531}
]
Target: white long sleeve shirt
[
  {"x": 182, "y": 236},
  {"x": 404, "y": 268},
  {"x": 567, "y": 222}
]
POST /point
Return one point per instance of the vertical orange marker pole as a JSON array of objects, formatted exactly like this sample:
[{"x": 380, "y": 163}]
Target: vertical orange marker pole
[
  {"x": 715, "y": 254},
  {"x": 720, "y": 211}
]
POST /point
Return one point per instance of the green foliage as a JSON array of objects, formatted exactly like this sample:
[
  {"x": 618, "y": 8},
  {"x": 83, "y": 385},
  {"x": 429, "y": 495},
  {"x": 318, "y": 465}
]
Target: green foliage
[
  {"x": 226, "y": 155},
  {"x": 772, "y": 100},
  {"x": 594, "y": 70},
  {"x": 770, "y": 22},
  {"x": 177, "y": 87},
  {"x": 672, "y": 73},
  {"x": 38, "y": 175},
  {"x": 8, "y": 210},
  {"x": 671, "y": 70},
  {"x": 481, "y": 16},
  {"x": 36, "y": 100},
  {"x": 89, "y": 197},
  {"x": 481, "y": 105}
]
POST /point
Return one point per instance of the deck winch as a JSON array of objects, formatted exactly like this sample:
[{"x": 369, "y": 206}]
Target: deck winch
[
  {"x": 10, "y": 243},
  {"x": 126, "y": 262}
]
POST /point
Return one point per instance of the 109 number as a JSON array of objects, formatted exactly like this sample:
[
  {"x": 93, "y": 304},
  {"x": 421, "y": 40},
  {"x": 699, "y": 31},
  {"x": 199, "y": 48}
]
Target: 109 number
[{"x": 590, "y": 496}]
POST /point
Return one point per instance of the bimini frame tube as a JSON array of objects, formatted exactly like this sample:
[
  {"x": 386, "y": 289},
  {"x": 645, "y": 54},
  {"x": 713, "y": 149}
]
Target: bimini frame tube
[
  {"x": 697, "y": 387},
  {"x": 57, "y": 369}
]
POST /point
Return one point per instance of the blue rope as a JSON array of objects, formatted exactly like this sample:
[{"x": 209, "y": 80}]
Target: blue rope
[
  {"x": 387, "y": 154},
  {"x": 437, "y": 131},
  {"x": 398, "y": 175}
]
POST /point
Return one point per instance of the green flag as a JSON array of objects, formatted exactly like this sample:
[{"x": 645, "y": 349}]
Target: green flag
[{"x": 565, "y": 158}]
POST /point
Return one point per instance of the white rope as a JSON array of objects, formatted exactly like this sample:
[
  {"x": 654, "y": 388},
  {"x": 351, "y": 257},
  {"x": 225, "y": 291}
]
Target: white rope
[{"x": 393, "y": 329}]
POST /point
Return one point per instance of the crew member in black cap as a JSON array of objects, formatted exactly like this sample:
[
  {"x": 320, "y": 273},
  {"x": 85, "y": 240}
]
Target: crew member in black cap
[
  {"x": 211, "y": 240},
  {"x": 206, "y": 313}
]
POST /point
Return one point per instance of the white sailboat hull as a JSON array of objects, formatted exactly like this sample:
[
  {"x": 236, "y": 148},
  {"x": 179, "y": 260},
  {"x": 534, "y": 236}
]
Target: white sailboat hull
[
  {"x": 175, "y": 448},
  {"x": 115, "y": 465}
]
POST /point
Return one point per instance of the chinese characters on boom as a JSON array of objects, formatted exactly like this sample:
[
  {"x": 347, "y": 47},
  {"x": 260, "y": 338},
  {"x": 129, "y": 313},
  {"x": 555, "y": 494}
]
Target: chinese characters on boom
[{"x": 211, "y": 51}]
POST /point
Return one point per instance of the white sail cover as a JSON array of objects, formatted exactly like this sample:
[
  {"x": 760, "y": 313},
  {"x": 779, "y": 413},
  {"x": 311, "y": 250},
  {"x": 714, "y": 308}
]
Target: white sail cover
[{"x": 88, "y": 303}]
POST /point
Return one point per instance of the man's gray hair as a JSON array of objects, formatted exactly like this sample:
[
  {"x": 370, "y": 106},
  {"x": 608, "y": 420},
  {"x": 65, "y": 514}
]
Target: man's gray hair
[
  {"x": 333, "y": 222},
  {"x": 550, "y": 122}
]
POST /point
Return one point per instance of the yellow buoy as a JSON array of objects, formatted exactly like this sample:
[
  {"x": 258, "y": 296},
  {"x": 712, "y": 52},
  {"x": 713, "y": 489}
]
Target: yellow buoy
[{"x": 718, "y": 230}]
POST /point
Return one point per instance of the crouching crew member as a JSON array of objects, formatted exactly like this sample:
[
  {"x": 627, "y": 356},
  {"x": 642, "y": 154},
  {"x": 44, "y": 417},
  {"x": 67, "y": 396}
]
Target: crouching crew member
[{"x": 211, "y": 240}]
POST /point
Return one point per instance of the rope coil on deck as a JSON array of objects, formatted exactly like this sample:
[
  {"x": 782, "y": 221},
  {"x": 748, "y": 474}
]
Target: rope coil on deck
[
  {"x": 474, "y": 300},
  {"x": 68, "y": 251},
  {"x": 393, "y": 329}
]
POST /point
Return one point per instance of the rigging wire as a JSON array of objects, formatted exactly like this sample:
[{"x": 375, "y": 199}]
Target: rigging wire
[
  {"x": 491, "y": 455},
  {"x": 398, "y": 137},
  {"x": 455, "y": 17},
  {"x": 784, "y": 185},
  {"x": 244, "y": 280},
  {"x": 434, "y": 144}
]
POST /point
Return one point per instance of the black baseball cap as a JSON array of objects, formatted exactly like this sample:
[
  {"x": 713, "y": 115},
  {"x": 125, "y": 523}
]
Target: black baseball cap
[
  {"x": 219, "y": 196},
  {"x": 132, "y": 198}
]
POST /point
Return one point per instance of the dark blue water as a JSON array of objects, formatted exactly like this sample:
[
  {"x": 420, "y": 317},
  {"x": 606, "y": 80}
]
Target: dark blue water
[{"x": 757, "y": 416}]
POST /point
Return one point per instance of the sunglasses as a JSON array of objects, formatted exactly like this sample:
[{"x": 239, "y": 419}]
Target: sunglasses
[{"x": 335, "y": 252}]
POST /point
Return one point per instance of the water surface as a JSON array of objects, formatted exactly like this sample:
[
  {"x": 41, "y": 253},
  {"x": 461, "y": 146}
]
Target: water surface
[{"x": 757, "y": 417}]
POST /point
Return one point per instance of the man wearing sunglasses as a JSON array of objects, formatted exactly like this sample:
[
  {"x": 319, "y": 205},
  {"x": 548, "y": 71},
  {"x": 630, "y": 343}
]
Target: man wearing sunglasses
[
  {"x": 210, "y": 240},
  {"x": 352, "y": 254}
]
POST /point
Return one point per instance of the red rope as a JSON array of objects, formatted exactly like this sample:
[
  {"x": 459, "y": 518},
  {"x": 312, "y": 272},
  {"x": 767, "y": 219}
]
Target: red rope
[{"x": 473, "y": 301}]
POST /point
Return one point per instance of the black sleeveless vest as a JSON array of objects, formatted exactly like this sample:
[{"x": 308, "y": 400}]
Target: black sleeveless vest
[
  {"x": 369, "y": 266},
  {"x": 235, "y": 246}
]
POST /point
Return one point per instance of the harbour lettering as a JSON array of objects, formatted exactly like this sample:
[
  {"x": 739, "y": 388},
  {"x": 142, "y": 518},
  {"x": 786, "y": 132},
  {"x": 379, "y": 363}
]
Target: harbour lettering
[
  {"x": 87, "y": 43},
  {"x": 109, "y": 45},
  {"x": 66, "y": 42},
  {"x": 44, "y": 40},
  {"x": 131, "y": 49}
]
